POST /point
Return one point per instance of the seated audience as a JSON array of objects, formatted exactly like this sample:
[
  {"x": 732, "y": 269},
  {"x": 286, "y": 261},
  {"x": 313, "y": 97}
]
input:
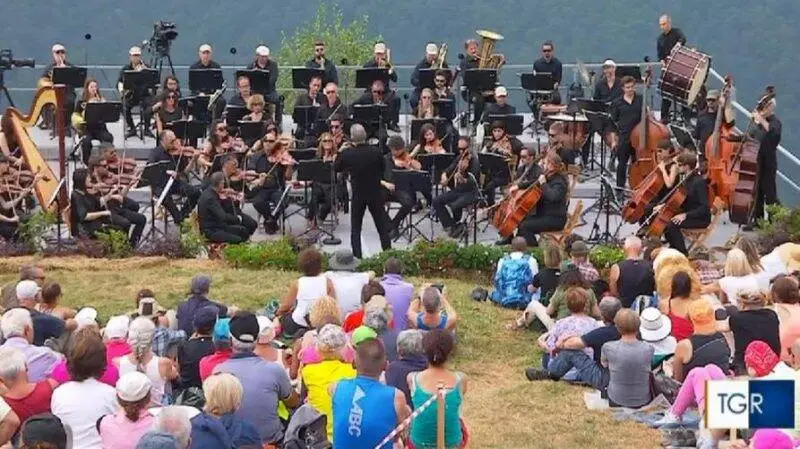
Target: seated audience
[
  {"x": 579, "y": 256},
  {"x": 749, "y": 246},
  {"x": 45, "y": 431},
  {"x": 785, "y": 297},
  {"x": 303, "y": 292},
  {"x": 707, "y": 270},
  {"x": 157, "y": 440},
  {"x": 676, "y": 307},
  {"x": 27, "y": 272},
  {"x": 221, "y": 339},
  {"x": 224, "y": 393},
  {"x": 45, "y": 326},
  {"x": 17, "y": 329},
  {"x": 632, "y": 277},
  {"x": 628, "y": 361},
  {"x": 753, "y": 322},
  {"x": 80, "y": 402},
  {"x": 51, "y": 296},
  {"x": 739, "y": 277},
  {"x": 438, "y": 346},
  {"x": 432, "y": 311},
  {"x": 324, "y": 311},
  {"x": 160, "y": 370},
  {"x": 175, "y": 421},
  {"x": 110, "y": 374},
  {"x": 655, "y": 329},
  {"x": 411, "y": 358},
  {"x": 692, "y": 392},
  {"x": 377, "y": 418},
  {"x": 545, "y": 281},
  {"x": 570, "y": 278},
  {"x": 115, "y": 335},
  {"x": 123, "y": 429},
  {"x": 397, "y": 291},
  {"x": 347, "y": 282},
  {"x": 198, "y": 298},
  {"x": 317, "y": 377},
  {"x": 782, "y": 259},
  {"x": 705, "y": 346},
  {"x": 513, "y": 278},
  {"x": 264, "y": 383},
  {"x": 264, "y": 347},
  {"x": 356, "y": 319},
  {"x": 378, "y": 317},
  {"x": 165, "y": 339},
  {"x": 199, "y": 345},
  {"x": 764, "y": 363},
  {"x": 25, "y": 398}
]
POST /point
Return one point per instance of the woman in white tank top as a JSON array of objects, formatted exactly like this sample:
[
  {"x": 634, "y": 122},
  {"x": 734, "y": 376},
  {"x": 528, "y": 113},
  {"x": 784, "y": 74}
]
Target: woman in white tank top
[
  {"x": 158, "y": 369},
  {"x": 740, "y": 277},
  {"x": 303, "y": 292}
]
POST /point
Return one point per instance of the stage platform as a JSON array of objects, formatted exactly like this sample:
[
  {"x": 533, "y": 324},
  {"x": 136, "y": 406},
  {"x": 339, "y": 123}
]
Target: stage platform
[{"x": 593, "y": 223}]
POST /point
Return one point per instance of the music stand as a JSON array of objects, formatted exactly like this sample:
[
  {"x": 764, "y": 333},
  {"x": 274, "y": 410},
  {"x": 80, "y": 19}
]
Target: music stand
[
  {"x": 426, "y": 78},
  {"x": 316, "y": 170},
  {"x": 104, "y": 112},
  {"x": 234, "y": 114},
  {"x": 630, "y": 70},
  {"x": 446, "y": 108},
  {"x": 372, "y": 116},
  {"x": 305, "y": 118},
  {"x": 188, "y": 130},
  {"x": 684, "y": 137},
  {"x": 478, "y": 81},
  {"x": 598, "y": 114},
  {"x": 366, "y": 76},
  {"x": 259, "y": 80},
  {"x": 513, "y": 122},
  {"x": 607, "y": 203},
  {"x": 71, "y": 76},
  {"x": 137, "y": 81},
  {"x": 495, "y": 166},
  {"x": 412, "y": 181},
  {"x": 436, "y": 165},
  {"x": 303, "y": 154},
  {"x": 197, "y": 107},
  {"x": 301, "y": 77},
  {"x": 438, "y": 122},
  {"x": 149, "y": 173},
  {"x": 251, "y": 131},
  {"x": 205, "y": 81}
]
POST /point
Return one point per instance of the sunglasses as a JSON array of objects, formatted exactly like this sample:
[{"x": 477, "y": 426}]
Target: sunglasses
[
  {"x": 172, "y": 96},
  {"x": 377, "y": 92},
  {"x": 327, "y": 140},
  {"x": 319, "y": 49},
  {"x": 222, "y": 128},
  {"x": 335, "y": 126},
  {"x": 552, "y": 135},
  {"x": 547, "y": 50},
  {"x": 440, "y": 80},
  {"x": 60, "y": 52}
]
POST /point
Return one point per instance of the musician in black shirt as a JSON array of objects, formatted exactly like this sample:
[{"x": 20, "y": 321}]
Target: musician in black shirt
[
  {"x": 626, "y": 112},
  {"x": 548, "y": 63},
  {"x": 406, "y": 198},
  {"x": 500, "y": 106},
  {"x": 708, "y": 117},
  {"x": 314, "y": 99},
  {"x": 667, "y": 40},
  {"x": 243, "y": 92},
  {"x": 431, "y": 52},
  {"x": 381, "y": 60},
  {"x": 365, "y": 164},
  {"x": 468, "y": 62},
  {"x": 90, "y": 214},
  {"x": 263, "y": 62},
  {"x": 205, "y": 61},
  {"x": 526, "y": 174},
  {"x": 168, "y": 167},
  {"x": 267, "y": 190},
  {"x": 138, "y": 97},
  {"x": 695, "y": 210},
  {"x": 768, "y": 132},
  {"x": 319, "y": 61},
  {"x": 378, "y": 95},
  {"x": 59, "y": 60},
  {"x": 607, "y": 89},
  {"x": 550, "y": 214},
  {"x": 462, "y": 176},
  {"x": 217, "y": 224}
]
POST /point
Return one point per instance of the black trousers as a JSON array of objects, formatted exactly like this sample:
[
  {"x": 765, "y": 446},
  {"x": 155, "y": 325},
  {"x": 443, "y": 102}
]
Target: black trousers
[
  {"x": 535, "y": 224},
  {"x": 96, "y": 132},
  {"x": 374, "y": 202},
  {"x": 126, "y": 216},
  {"x": 227, "y": 234},
  {"x": 8, "y": 231},
  {"x": 145, "y": 102},
  {"x": 767, "y": 192},
  {"x": 265, "y": 200},
  {"x": 673, "y": 235},
  {"x": 247, "y": 221},
  {"x": 666, "y": 105},
  {"x": 406, "y": 200},
  {"x": 625, "y": 152},
  {"x": 456, "y": 201},
  {"x": 190, "y": 192}
]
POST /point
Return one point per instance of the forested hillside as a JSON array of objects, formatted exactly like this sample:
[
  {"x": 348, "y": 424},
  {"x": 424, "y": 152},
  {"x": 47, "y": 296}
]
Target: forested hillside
[{"x": 754, "y": 41}]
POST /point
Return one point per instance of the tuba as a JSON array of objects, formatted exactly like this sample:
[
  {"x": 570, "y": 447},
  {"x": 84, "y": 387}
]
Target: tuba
[{"x": 487, "y": 59}]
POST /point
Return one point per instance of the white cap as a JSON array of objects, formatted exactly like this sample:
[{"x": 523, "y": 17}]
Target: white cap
[
  {"x": 266, "y": 329},
  {"x": 27, "y": 289},
  {"x": 204, "y": 48},
  {"x": 380, "y": 47},
  {"x": 58, "y": 47},
  {"x": 133, "y": 386},
  {"x": 262, "y": 50},
  {"x": 500, "y": 91},
  {"x": 609, "y": 63},
  {"x": 135, "y": 51},
  {"x": 117, "y": 327},
  {"x": 87, "y": 316},
  {"x": 431, "y": 49}
]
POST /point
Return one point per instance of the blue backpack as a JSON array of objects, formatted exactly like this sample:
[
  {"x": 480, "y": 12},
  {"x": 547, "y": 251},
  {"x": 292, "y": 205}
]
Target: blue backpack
[{"x": 511, "y": 283}]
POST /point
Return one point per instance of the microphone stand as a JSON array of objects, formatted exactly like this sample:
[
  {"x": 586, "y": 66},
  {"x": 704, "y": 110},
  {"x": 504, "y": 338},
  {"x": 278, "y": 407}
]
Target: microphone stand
[{"x": 331, "y": 239}]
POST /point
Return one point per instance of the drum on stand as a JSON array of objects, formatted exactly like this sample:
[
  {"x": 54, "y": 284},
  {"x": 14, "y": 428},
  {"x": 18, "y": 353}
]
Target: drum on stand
[
  {"x": 685, "y": 73},
  {"x": 576, "y": 128}
]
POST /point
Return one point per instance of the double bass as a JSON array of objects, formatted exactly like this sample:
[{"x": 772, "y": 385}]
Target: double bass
[
  {"x": 719, "y": 148},
  {"x": 645, "y": 138},
  {"x": 743, "y": 174}
]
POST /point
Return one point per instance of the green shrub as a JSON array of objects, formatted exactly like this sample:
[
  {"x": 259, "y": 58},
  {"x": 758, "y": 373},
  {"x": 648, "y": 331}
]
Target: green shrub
[
  {"x": 115, "y": 243},
  {"x": 478, "y": 257},
  {"x": 782, "y": 225},
  {"x": 32, "y": 230},
  {"x": 192, "y": 241},
  {"x": 375, "y": 263},
  {"x": 273, "y": 254},
  {"x": 604, "y": 256}
]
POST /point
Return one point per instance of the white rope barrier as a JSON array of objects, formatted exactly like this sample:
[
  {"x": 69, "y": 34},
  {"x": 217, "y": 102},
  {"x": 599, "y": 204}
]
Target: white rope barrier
[{"x": 407, "y": 422}]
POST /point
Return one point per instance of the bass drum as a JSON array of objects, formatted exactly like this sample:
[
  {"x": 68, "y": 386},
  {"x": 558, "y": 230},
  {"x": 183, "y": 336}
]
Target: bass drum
[{"x": 683, "y": 76}]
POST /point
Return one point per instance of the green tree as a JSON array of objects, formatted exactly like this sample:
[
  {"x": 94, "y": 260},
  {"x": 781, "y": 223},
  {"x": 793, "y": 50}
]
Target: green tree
[{"x": 349, "y": 41}]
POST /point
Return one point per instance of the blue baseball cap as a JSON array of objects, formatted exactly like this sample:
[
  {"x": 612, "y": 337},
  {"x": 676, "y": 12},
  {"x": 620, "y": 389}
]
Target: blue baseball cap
[{"x": 222, "y": 330}]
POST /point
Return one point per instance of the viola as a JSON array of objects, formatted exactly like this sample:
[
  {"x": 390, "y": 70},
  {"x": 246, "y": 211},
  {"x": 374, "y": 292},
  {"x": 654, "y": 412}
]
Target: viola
[
  {"x": 645, "y": 138},
  {"x": 406, "y": 161},
  {"x": 719, "y": 149}
]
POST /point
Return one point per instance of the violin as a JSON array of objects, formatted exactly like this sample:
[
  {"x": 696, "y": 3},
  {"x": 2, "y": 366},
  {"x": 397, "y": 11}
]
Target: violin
[
  {"x": 244, "y": 175},
  {"x": 282, "y": 157},
  {"x": 407, "y": 161},
  {"x": 462, "y": 166},
  {"x": 502, "y": 146},
  {"x": 645, "y": 138},
  {"x": 228, "y": 193},
  {"x": 121, "y": 164}
]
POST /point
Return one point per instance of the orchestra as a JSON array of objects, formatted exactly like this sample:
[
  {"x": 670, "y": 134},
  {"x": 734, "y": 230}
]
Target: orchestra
[{"x": 666, "y": 188}]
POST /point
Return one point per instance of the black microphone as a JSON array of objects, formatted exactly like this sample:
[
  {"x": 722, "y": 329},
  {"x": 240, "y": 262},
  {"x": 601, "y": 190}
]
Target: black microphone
[
  {"x": 233, "y": 50},
  {"x": 87, "y": 36},
  {"x": 343, "y": 61}
]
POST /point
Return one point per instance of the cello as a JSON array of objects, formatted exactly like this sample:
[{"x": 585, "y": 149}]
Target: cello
[
  {"x": 647, "y": 191},
  {"x": 645, "y": 138},
  {"x": 743, "y": 174},
  {"x": 516, "y": 206},
  {"x": 719, "y": 149},
  {"x": 657, "y": 222}
]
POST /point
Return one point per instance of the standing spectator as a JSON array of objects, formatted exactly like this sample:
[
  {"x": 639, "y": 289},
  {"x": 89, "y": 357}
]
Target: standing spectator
[
  {"x": 513, "y": 279},
  {"x": 224, "y": 394},
  {"x": 632, "y": 277},
  {"x": 26, "y": 273},
  {"x": 198, "y": 346},
  {"x": 438, "y": 346},
  {"x": 628, "y": 361},
  {"x": 754, "y": 322},
  {"x": 123, "y": 429},
  {"x": 51, "y": 296},
  {"x": 303, "y": 292},
  {"x": 362, "y": 415},
  {"x": 264, "y": 383},
  {"x": 397, "y": 291},
  {"x": 158, "y": 369},
  {"x": 410, "y": 359},
  {"x": 319, "y": 376},
  {"x": 347, "y": 282},
  {"x": 17, "y": 328},
  {"x": 579, "y": 256},
  {"x": 221, "y": 338},
  {"x": 80, "y": 402},
  {"x": 198, "y": 298},
  {"x": 44, "y": 431},
  {"x": 25, "y": 398}
]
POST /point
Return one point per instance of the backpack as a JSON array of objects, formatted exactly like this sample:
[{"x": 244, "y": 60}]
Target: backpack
[{"x": 511, "y": 283}]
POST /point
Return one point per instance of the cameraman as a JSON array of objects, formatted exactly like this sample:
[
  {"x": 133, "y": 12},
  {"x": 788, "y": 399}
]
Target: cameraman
[{"x": 59, "y": 53}]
